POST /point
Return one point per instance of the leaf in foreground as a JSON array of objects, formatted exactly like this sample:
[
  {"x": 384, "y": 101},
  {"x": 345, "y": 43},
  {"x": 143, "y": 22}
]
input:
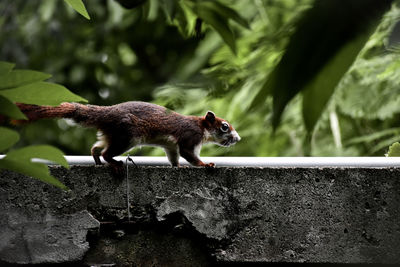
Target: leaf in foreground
[
  {"x": 8, "y": 138},
  {"x": 21, "y": 161},
  {"x": 9, "y": 109},
  {"x": 323, "y": 31},
  {"x": 6, "y": 67},
  {"x": 41, "y": 93},
  {"x": 18, "y": 78},
  {"x": 315, "y": 98}
]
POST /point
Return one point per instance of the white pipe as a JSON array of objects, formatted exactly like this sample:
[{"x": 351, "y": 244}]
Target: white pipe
[{"x": 305, "y": 162}]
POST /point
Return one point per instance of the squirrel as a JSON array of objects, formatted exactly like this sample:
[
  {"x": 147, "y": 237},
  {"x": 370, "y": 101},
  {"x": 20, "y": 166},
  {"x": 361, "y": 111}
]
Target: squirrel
[{"x": 123, "y": 126}]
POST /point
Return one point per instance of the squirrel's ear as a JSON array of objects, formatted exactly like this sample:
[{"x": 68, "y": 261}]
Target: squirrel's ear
[{"x": 210, "y": 116}]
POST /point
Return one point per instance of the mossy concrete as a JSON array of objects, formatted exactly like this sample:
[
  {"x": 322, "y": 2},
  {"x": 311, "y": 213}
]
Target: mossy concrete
[{"x": 202, "y": 216}]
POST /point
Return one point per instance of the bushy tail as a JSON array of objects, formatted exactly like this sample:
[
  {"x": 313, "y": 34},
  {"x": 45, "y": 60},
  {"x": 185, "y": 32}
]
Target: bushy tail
[{"x": 35, "y": 112}]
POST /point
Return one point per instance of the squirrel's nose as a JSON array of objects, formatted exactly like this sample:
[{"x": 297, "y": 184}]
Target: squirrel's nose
[{"x": 235, "y": 137}]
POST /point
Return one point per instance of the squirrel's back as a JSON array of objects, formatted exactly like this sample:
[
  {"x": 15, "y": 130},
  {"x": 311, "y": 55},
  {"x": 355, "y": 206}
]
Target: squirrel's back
[
  {"x": 136, "y": 113},
  {"x": 154, "y": 120}
]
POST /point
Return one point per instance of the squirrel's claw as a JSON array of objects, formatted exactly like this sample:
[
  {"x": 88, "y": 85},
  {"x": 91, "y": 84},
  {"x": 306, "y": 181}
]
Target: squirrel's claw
[
  {"x": 117, "y": 168},
  {"x": 210, "y": 165}
]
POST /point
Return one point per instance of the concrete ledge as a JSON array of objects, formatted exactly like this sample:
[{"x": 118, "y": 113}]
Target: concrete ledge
[
  {"x": 275, "y": 162},
  {"x": 202, "y": 216}
]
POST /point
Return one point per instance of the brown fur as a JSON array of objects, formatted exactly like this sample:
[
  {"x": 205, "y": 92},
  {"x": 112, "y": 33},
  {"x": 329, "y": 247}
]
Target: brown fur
[
  {"x": 35, "y": 112},
  {"x": 127, "y": 124}
]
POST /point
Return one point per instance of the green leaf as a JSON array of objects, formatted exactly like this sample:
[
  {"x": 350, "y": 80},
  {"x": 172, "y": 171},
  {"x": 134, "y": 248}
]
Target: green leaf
[
  {"x": 264, "y": 91},
  {"x": 6, "y": 67},
  {"x": 10, "y": 109},
  {"x": 41, "y": 93},
  {"x": 218, "y": 22},
  {"x": 317, "y": 93},
  {"x": 8, "y": 138},
  {"x": 225, "y": 11},
  {"x": 320, "y": 34},
  {"x": 18, "y": 78},
  {"x": 394, "y": 150},
  {"x": 21, "y": 161},
  {"x": 36, "y": 170},
  {"x": 39, "y": 151},
  {"x": 79, "y": 7}
]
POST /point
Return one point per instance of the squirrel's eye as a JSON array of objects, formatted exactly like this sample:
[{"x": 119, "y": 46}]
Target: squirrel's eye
[{"x": 224, "y": 127}]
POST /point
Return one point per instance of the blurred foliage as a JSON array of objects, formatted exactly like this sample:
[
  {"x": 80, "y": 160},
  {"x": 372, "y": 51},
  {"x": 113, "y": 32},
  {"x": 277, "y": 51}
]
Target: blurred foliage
[
  {"x": 394, "y": 150},
  {"x": 26, "y": 86},
  {"x": 327, "y": 39},
  {"x": 193, "y": 56}
]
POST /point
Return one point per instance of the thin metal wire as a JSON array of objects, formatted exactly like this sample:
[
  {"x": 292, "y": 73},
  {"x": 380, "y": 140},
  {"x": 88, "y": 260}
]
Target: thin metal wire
[
  {"x": 127, "y": 188},
  {"x": 128, "y": 158}
]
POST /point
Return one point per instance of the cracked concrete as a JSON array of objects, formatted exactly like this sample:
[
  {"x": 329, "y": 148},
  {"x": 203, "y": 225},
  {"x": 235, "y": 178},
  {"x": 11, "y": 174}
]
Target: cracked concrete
[
  {"x": 44, "y": 239},
  {"x": 196, "y": 215}
]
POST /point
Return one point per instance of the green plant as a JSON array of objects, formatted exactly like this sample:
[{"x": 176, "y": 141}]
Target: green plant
[
  {"x": 28, "y": 86},
  {"x": 327, "y": 40},
  {"x": 394, "y": 150}
]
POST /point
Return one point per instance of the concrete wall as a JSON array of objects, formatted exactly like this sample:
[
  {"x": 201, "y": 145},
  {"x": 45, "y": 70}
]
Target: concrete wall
[{"x": 198, "y": 217}]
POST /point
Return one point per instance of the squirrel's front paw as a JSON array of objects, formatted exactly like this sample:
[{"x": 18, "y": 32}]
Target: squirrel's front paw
[
  {"x": 117, "y": 168},
  {"x": 210, "y": 165}
]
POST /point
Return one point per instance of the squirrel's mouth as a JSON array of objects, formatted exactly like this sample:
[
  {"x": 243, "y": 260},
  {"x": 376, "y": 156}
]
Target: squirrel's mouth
[
  {"x": 226, "y": 143},
  {"x": 230, "y": 141}
]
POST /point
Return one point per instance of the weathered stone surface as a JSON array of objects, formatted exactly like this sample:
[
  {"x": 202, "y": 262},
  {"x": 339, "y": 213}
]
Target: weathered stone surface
[
  {"x": 204, "y": 207},
  {"x": 39, "y": 239},
  {"x": 316, "y": 215},
  {"x": 328, "y": 215},
  {"x": 148, "y": 248}
]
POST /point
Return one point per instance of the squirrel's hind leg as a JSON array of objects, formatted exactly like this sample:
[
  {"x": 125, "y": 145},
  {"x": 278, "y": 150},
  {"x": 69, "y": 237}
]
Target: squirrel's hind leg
[
  {"x": 96, "y": 152},
  {"x": 112, "y": 150},
  {"x": 98, "y": 147}
]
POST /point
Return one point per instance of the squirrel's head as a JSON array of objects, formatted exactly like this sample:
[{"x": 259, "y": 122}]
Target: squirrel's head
[{"x": 219, "y": 131}]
